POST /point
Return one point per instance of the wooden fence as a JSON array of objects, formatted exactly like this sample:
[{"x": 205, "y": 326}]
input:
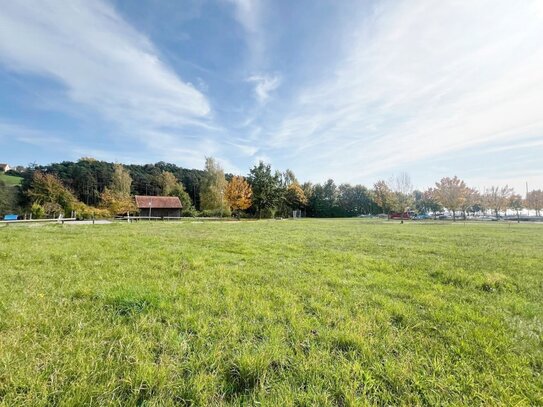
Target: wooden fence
[{"x": 22, "y": 221}]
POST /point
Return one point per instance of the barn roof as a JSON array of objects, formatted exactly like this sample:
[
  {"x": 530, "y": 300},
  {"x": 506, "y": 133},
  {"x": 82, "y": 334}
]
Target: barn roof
[{"x": 169, "y": 202}]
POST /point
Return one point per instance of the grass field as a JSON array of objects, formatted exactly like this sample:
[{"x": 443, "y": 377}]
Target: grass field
[
  {"x": 311, "y": 312},
  {"x": 10, "y": 179}
]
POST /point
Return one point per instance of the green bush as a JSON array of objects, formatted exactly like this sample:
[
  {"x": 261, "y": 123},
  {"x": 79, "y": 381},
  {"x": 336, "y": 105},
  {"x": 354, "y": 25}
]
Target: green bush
[
  {"x": 190, "y": 212},
  {"x": 216, "y": 213},
  {"x": 8, "y": 198},
  {"x": 268, "y": 213},
  {"x": 37, "y": 211}
]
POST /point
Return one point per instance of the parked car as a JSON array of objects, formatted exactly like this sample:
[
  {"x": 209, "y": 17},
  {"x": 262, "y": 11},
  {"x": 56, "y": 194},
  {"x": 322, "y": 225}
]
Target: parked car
[
  {"x": 422, "y": 216},
  {"x": 488, "y": 218},
  {"x": 403, "y": 216}
]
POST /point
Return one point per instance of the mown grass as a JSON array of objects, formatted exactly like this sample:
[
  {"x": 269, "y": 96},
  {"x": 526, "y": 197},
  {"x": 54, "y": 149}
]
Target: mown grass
[
  {"x": 10, "y": 179},
  {"x": 311, "y": 312}
]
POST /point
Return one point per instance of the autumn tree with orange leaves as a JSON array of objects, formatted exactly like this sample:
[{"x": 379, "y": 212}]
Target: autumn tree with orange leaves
[{"x": 238, "y": 194}]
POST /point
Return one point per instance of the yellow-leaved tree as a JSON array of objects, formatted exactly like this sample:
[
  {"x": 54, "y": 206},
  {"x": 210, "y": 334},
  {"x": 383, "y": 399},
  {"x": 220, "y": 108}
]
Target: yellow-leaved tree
[
  {"x": 117, "y": 199},
  {"x": 238, "y": 194}
]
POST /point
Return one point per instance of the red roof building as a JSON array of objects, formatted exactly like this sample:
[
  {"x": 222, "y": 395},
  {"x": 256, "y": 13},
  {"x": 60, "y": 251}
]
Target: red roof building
[{"x": 159, "y": 206}]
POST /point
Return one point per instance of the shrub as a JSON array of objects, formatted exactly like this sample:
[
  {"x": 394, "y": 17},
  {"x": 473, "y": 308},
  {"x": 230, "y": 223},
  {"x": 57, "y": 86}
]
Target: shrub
[
  {"x": 37, "y": 211},
  {"x": 216, "y": 213},
  {"x": 268, "y": 213},
  {"x": 85, "y": 212},
  {"x": 191, "y": 212}
]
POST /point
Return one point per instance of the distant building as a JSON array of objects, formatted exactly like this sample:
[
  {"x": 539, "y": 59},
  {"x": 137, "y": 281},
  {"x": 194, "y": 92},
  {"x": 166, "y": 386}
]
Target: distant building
[
  {"x": 161, "y": 206},
  {"x": 4, "y": 167}
]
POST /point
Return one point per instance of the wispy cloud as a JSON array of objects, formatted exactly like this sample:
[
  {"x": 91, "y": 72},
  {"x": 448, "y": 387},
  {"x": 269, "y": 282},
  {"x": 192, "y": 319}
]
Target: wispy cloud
[
  {"x": 264, "y": 85},
  {"x": 249, "y": 14},
  {"x": 422, "y": 79},
  {"x": 102, "y": 63},
  {"x": 33, "y": 137},
  {"x": 352, "y": 92}
]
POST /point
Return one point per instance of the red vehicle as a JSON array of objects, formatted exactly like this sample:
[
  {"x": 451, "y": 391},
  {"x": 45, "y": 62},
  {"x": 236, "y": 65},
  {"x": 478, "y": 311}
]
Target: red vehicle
[{"x": 401, "y": 216}]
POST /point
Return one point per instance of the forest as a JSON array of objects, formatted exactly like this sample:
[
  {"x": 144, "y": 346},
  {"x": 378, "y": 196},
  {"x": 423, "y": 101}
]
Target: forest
[{"x": 91, "y": 187}]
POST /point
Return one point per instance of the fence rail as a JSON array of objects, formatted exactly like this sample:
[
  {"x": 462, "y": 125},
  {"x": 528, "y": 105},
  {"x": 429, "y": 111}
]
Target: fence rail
[
  {"x": 172, "y": 218},
  {"x": 57, "y": 220}
]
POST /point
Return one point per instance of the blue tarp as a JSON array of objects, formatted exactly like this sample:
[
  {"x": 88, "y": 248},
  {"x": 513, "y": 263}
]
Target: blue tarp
[{"x": 10, "y": 217}]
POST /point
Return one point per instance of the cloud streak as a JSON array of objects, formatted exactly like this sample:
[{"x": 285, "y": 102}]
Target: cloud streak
[
  {"x": 419, "y": 80},
  {"x": 264, "y": 85},
  {"x": 101, "y": 62},
  {"x": 353, "y": 92},
  {"x": 249, "y": 14}
]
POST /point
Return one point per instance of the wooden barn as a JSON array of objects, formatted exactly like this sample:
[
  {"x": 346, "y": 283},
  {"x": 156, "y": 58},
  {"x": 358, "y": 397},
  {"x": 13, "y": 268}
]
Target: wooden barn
[{"x": 159, "y": 206}]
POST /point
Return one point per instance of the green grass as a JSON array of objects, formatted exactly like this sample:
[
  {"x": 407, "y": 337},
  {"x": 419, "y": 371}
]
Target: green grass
[
  {"x": 10, "y": 179},
  {"x": 291, "y": 313}
]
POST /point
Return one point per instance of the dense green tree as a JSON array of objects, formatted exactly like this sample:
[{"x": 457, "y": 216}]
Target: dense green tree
[
  {"x": 88, "y": 178},
  {"x": 424, "y": 202},
  {"x": 354, "y": 200},
  {"x": 179, "y": 191},
  {"x": 266, "y": 189},
  {"x": 9, "y": 195},
  {"x": 323, "y": 201}
]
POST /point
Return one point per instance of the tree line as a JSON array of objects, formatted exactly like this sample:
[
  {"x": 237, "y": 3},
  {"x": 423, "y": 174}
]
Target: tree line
[{"x": 90, "y": 187}]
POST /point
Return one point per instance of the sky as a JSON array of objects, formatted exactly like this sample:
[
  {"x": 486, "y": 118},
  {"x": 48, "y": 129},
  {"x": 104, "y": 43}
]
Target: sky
[{"x": 351, "y": 90}]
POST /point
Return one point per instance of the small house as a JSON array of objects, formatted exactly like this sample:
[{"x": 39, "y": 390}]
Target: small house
[
  {"x": 159, "y": 206},
  {"x": 4, "y": 167}
]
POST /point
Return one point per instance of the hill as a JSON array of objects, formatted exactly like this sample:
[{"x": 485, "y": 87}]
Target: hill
[{"x": 10, "y": 179}]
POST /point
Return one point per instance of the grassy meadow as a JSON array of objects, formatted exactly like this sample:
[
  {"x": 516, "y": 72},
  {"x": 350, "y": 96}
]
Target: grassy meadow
[
  {"x": 10, "y": 179},
  {"x": 274, "y": 313}
]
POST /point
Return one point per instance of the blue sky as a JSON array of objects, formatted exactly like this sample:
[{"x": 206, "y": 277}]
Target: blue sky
[{"x": 353, "y": 91}]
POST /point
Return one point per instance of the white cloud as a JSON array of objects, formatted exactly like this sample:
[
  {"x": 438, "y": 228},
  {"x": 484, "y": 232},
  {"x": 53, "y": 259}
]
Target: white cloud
[
  {"x": 422, "y": 79},
  {"x": 247, "y": 13},
  {"x": 250, "y": 14},
  {"x": 264, "y": 85},
  {"x": 101, "y": 62},
  {"x": 247, "y": 150}
]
